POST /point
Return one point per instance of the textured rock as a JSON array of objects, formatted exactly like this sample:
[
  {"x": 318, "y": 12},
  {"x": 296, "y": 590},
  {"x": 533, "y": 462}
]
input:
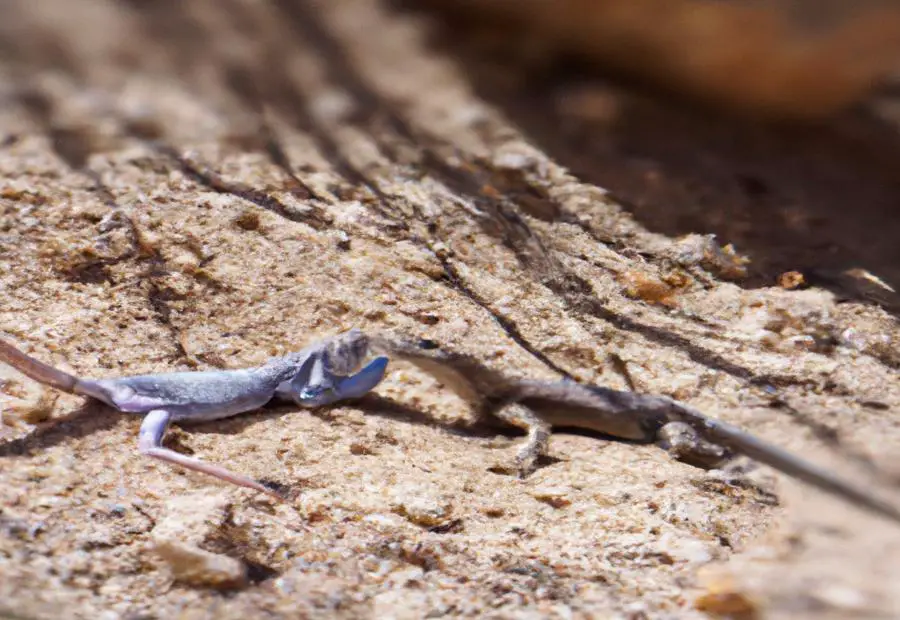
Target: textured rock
[
  {"x": 194, "y": 566},
  {"x": 188, "y": 522},
  {"x": 202, "y": 185}
]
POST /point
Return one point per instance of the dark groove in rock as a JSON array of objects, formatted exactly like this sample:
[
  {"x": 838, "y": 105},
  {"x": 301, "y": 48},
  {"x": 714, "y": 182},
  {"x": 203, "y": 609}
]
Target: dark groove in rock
[
  {"x": 242, "y": 82},
  {"x": 213, "y": 181},
  {"x": 159, "y": 298},
  {"x": 575, "y": 292},
  {"x": 279, "y": 157},
  {"x": 277, "y": 89},
  {"x": 74, "y": 146},
  {"x": 578, "y": 297},
  {"x": 374, "y": 113},
  {"x": 508, "y": 326}
]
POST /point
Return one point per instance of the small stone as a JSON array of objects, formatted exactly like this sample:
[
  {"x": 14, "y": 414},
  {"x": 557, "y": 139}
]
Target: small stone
[
  {"x": 343, "y": 242},
  {"x": 853, "y": 339},
  {"x": 727, "y": 605},
  {"x": 422, "y": 510},
  {"x": 725, "y": 598},
  {"x": 188, "y": 521},
  {"x": 703, "y": 250},
  {"x": 360, "y": 449},
  {"x": 558, "y": 498},
  {"x": 194, "y": 566},
  {"x": 790, "y": 280},
  {"x": 494, "y": 512},
  {"x": 247, "y": 220}
]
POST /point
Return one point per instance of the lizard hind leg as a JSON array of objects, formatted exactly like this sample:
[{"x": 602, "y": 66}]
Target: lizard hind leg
[
  {"x": 685, "y": 444},
  {"x": 537, "y": 441},
  {"x": 150, "y": 444}
]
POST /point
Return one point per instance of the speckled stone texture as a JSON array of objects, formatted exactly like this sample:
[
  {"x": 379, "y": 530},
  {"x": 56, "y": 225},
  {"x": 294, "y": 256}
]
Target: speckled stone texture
[{"x": 200, "y": 185}]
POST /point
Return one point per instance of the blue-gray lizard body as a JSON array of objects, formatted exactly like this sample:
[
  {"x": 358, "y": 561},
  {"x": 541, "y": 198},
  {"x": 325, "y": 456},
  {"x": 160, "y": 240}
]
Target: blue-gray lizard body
[{"x": 320, "y": 374}]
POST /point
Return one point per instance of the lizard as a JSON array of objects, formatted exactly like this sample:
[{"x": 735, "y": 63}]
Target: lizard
[
  {"x": 318, "y": 375},
  {"x": 538, "y": 406}
]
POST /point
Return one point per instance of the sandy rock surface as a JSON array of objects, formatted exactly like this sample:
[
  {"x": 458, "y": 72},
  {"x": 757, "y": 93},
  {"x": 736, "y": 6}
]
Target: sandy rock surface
[{"x": 203, "y": 185}]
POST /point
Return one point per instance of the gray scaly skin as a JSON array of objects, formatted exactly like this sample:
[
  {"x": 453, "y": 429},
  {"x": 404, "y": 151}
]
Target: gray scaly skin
[
  {"x": 537, "y": 406},
  {"x": 319, "y": 375}
]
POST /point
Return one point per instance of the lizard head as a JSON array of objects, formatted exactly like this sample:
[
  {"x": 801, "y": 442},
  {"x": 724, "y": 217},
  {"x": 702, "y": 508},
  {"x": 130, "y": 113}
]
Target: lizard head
[
  {"x": 345, "y": 352},
  {"x": 332, "y": 388},
  {"x": 328, "y": 373}
]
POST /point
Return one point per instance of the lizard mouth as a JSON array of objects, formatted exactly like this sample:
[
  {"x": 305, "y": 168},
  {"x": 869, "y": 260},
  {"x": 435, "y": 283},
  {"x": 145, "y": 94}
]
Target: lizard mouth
[{"x": 315, "y": 395}]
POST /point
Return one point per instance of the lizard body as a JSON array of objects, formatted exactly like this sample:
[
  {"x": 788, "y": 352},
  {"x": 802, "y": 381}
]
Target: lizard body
[
  {"x": 323, "y": 373},
  {"x": 538, "y": 406},
  {"x": 320, "y": 374}
]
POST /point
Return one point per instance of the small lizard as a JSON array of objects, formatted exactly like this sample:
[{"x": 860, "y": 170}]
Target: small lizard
[
  {"x": 538, "y": 406},
  {"x": 320, "y": 374}
]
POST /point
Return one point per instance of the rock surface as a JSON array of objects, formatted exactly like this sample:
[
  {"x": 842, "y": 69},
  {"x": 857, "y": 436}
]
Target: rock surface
[
  {"x": 178, "y": 538},
  {"x": 195, "y": 185}
]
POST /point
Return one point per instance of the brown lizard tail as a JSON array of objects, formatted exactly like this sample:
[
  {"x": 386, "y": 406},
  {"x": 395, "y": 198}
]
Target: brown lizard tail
[
  {"x": 773, "y": 456},
  {"x": 30, "y": 367}
]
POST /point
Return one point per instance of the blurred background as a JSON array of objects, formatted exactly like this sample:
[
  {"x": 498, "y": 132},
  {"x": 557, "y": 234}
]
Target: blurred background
[{"x": 773, "y": 58}]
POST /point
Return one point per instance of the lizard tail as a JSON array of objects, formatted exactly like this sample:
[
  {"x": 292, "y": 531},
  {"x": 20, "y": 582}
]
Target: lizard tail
[
  {"x": 732, "y": 437},
  {"x": 30, "y": 367}
]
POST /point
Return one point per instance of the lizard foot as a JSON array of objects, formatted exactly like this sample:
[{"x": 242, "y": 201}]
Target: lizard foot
[
  {"x": 279, "y": 491},
  {"x": 537, "y": 441},
  {"x": 684, "y": 444}
]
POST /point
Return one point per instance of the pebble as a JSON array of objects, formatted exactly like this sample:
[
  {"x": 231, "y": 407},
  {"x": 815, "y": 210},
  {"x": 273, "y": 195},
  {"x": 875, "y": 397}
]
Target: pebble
[
  {"x": 188, "y": 521},
  {"x": 421, "y": 509}
]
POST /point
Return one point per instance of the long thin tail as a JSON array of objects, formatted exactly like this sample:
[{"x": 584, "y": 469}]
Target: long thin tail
[
  {"x": 30, "y": 367},
  {"x": 734, "y": 438}
]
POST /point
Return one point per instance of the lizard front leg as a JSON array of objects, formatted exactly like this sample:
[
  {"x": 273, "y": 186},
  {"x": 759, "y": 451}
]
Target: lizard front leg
[
  {"x": 150, "y": 444},
  {"x": 537, "y": 441}
]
